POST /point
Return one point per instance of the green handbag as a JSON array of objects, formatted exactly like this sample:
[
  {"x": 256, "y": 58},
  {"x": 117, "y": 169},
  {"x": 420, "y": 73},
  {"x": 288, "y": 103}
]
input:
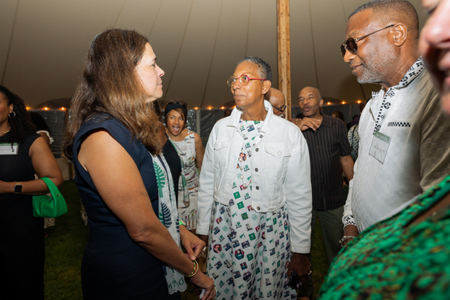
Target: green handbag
[{"x": 49, "y": 207}]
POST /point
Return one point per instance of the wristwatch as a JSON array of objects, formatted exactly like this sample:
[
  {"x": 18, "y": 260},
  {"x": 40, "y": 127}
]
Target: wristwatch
[{"x": 17, "y": 188}]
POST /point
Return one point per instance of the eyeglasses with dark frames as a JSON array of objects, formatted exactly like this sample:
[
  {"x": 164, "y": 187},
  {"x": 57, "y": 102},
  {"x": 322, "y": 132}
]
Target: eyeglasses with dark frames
[
  {"x": 243, "y": 80},
  {"x": 350, "y": 43},
  {"x": 280, "y": 109}
]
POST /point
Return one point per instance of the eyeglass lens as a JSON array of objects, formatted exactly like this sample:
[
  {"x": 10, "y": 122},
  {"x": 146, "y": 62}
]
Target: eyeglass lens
[
  {"x": 349, "y": 45},
  {"x": 243, "y": 80}
]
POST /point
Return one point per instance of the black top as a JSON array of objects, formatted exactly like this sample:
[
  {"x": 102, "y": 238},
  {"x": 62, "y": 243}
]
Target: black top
[
  {"x": 174, "y": 162},
  {"x": 114, "y": 266},
  {"x": 326, "y": 146},
  {"x": 16, "y": 211},
  {"x": 22, "y": 250}
]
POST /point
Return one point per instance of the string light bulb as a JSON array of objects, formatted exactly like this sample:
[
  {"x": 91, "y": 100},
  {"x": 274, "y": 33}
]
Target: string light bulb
[
  {"x": 46, "y": 108},
  {"x": 222, "y": 107},
  {"x": 209, "y": 107},
  {"x": 359, "y": 101},
  {"x": 343, "y": 102},
  {"x": 328, "y": 103},
  {"x": 28, "y": 108},
  {"x": 196, "y": 108}
]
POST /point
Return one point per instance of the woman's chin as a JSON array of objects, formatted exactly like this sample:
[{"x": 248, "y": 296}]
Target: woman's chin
[{"x": 175, "y": 133}]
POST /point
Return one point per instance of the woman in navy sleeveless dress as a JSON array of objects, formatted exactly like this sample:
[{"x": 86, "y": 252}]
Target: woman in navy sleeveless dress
[{"x": 112, "y": 136}]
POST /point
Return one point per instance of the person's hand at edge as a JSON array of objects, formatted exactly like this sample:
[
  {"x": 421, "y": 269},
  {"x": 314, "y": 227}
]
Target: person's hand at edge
[
  {"x": 350, "y": 230},
  {"x": 193, "y": 245},
  {"x": 205, "y": 282},
  {"x": 204, "y": 238},
  {"x": 307, "y": 123},
  {"x": 301, "y": 265}
]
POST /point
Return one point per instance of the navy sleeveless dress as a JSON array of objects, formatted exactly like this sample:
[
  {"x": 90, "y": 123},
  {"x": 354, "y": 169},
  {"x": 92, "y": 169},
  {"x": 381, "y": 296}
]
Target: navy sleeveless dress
[{"x": 114, "y": 266}]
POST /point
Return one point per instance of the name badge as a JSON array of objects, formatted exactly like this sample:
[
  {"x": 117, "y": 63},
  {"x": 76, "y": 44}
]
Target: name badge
[
  {"x": 6, "y": 149},
  {"x": 379, "y": 147}
]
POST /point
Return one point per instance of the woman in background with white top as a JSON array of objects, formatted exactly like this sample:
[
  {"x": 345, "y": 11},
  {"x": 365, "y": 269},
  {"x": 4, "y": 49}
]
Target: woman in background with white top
[{"x": 190, "y": 148}]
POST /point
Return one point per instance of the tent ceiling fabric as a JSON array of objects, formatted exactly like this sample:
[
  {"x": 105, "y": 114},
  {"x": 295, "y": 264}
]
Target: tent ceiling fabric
[{"x": 198, "y": 43}]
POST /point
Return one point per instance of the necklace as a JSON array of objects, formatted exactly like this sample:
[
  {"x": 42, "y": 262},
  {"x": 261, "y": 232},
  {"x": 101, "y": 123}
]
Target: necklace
[{"x": 2, "y": 134}]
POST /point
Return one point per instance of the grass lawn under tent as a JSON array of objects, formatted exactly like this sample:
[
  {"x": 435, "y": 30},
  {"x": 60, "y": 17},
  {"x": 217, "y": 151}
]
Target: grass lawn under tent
[{"x": 65, "y": 243}]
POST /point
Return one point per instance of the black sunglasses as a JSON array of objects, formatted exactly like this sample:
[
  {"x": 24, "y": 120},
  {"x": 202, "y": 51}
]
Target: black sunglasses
[
  {"x": 281, "y": 109},
  {"x": 350, "y": 43}
]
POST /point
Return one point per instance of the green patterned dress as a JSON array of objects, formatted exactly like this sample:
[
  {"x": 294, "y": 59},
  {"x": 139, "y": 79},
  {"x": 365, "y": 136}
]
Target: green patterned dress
[{"x": 391, "y": 260}]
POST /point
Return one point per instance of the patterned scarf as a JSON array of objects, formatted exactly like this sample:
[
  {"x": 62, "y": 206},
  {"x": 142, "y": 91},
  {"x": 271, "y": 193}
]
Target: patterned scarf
[{"x": 168, "y": 215}]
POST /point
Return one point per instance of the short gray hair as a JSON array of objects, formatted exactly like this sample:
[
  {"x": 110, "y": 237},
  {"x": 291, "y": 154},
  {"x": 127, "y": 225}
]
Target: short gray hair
[{"x": 264, "y": 68}]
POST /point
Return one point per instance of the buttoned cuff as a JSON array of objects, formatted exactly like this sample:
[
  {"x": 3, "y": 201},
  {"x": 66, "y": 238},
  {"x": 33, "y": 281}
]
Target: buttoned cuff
[
  {"x": 301, "y": 248},
  {"x": 348, "y": 220}
]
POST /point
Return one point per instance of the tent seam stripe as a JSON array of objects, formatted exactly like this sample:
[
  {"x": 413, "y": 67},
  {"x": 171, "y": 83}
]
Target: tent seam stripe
[
  {"x": 10, "y": 42},
  {"x": 179, "y": 52},
  {"x": 212, "y": 56}
]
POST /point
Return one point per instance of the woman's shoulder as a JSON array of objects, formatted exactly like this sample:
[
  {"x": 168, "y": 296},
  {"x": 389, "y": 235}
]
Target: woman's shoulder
[
  {"x": 192, "y": 135},
  {"x": 103, "y": 121},
  {"x": 29, "y": 139},
  {"x": 110, "y": 124}
]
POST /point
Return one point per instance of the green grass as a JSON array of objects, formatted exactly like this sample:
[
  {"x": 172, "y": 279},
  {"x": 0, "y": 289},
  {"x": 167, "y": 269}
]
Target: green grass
[
  {"x": 65, "y": 243},
  {"x": 64, "y": 249}
]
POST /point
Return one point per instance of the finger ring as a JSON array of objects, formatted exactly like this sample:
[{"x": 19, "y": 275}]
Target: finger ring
[{"x": 310, "y": 272}]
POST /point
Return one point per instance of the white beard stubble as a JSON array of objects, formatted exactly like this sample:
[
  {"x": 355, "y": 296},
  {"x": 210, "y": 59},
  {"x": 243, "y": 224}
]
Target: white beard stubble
[{"x": 377, "y": 64}]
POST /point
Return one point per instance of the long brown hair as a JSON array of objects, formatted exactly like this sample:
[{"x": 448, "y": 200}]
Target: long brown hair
[{"x": 109, "y": 84}]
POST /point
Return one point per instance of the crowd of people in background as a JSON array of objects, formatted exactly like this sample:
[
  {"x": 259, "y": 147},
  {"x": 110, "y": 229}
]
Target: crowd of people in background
[{"x": 157, "y": 199}]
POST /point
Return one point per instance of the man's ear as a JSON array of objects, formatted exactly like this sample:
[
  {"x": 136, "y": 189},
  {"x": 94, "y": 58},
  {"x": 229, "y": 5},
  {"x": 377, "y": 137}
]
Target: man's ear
[
  {"x": 266, "y": 86},
  {"x": 321, "y": 102},
  {"x": 399, "y": 34}
]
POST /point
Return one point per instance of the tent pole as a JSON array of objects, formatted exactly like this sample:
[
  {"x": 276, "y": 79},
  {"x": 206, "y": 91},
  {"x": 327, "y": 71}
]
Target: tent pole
[{"x": 284, "y": 53}]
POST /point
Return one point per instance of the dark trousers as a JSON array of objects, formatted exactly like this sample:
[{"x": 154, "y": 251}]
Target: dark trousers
[{"x": 332, "y": 230}]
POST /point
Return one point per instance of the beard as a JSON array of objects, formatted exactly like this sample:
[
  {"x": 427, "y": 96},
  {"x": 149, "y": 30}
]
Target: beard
[{"x": 379, "y": 64}]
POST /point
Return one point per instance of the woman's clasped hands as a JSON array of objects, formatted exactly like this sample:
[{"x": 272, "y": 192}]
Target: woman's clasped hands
[{"x": 194, "y": 247}]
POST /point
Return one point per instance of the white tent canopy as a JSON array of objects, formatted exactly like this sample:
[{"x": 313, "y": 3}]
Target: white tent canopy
[{"x": 197, "y": 42}]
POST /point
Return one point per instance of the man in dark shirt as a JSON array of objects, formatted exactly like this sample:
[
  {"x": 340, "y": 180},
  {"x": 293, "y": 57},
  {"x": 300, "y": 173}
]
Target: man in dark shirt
[{"x": 328, "y": 150}]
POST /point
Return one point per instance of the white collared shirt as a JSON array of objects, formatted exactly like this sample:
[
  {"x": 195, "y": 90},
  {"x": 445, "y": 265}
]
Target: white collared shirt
[{"x": 418, "y": 154}]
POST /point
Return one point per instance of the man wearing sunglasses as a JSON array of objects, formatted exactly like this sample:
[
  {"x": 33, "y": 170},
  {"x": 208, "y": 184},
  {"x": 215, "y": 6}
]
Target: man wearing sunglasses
[
  {"x": 276, "y": 98},
  {"x": 403, "y": 134}
]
